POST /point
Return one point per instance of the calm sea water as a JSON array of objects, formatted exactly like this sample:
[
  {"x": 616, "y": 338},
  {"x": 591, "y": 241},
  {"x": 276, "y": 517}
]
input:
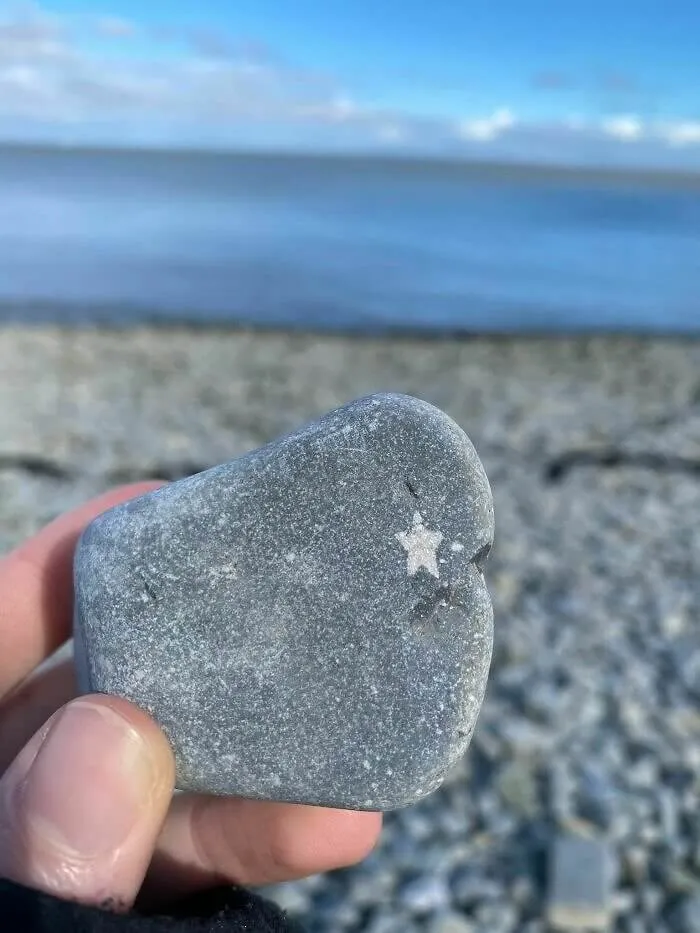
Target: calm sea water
[{"x": 127, "y": 237}]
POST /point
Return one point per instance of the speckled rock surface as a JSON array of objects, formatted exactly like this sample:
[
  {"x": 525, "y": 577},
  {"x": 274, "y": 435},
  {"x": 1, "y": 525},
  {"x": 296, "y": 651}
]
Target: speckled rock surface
[{"x": 309, "y": 622}]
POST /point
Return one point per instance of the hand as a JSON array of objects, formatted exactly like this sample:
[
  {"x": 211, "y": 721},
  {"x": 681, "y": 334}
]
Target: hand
[{"x": 86, "y": 805}]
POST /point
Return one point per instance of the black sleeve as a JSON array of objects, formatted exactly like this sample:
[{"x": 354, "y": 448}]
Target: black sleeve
[{"x": 225, "y": 910}]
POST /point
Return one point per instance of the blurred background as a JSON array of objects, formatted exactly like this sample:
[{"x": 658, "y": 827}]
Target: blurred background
[
  {"x": 508, "y": 166},
  {"x": 220, "y": 220}
]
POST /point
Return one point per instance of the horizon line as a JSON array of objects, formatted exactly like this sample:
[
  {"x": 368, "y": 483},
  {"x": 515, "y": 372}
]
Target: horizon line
[{"x": 594, "y": 171}]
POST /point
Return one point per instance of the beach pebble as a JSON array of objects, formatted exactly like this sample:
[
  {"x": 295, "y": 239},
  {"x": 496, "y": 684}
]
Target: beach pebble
[
  {"x": 449, "y": 923},
  {"x": 425, "y": 894},
  {"x": 307, "y": 623},
  {"x": 582, "y": 879}
]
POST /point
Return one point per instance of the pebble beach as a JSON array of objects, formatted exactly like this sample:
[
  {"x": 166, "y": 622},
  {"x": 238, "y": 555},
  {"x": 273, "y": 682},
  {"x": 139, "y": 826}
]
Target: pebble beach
[{"x": 587, "y": 751}]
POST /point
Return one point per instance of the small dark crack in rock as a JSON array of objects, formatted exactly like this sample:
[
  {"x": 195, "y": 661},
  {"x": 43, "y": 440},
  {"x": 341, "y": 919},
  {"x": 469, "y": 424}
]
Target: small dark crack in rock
[
  {"x": 425, "y": 614},
  {"x": 558, "y": 468},
  {"x": 481, "y": 556},
  {"x": 412, "y": 488}
]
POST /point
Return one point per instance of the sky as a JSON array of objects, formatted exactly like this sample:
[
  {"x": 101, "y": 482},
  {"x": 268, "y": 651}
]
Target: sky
[{"x": 605, "y": 82}]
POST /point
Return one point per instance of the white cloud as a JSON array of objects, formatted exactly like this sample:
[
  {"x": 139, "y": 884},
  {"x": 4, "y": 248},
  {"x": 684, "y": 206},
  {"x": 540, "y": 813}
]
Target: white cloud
[
  {"x": 631, "y": 129},
  {"x": 46, "y": 75},
  {"x": 626, "y": 128},
  {"x": 682, "y": 133},
  {"x": 218, "y": 90},
  {"x": 487, "y": 128},
  {"x": 32, "y": 40}
]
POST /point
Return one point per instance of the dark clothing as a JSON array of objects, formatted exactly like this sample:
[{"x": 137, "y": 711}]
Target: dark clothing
[{"x": 225, "y": 910}]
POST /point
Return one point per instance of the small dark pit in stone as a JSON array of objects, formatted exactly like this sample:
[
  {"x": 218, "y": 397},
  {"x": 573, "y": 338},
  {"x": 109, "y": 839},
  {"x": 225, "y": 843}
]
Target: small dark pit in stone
[
  {"x": 425, "y": 614},
  {"x": 412, "y": 487},
  {"x": 481, "y": 557},
  {"x": 149, "y": 589}
]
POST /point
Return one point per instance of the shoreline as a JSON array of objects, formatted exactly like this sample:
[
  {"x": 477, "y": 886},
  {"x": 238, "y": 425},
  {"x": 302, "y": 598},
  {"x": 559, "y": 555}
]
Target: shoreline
[{"x": 407, "y": 334}]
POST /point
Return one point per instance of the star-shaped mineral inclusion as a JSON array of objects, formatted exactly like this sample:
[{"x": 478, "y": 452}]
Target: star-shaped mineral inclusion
[{"x": 421, "y": 546}]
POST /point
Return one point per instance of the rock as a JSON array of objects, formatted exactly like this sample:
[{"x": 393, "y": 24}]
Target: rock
[
  {"x": 469, "y": 888},
  {"x": 425, "y": 894},
  {"x": 635, "y": 864},
  {"x": 561, "y": 790},
  {"x": 581, "y": 884},
  {"x": 632, "y": 924},
  {"x": 685, "y": 916},
  {"x": 651, "y": 899},
  {"x": 497, "y": 918},
  {"x": 596, "y": 797},
  {"x": 669, "y": 817},
  {"x": 517, "y": 784},
  {"x": 290, "y": 897},
  {"x": 308, "y": 623},
  {"x": 449, "y": 923},
  {"x": 388, "y": 920}
]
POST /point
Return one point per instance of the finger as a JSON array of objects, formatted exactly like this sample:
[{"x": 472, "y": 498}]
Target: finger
[
  {"x": 83, "y": 803},
  {"x": 30, "y": 705},
  {"x": 208, "y": 839},
  {"x": 36, "y": 588},
  {"x": 213, "y": 840}
]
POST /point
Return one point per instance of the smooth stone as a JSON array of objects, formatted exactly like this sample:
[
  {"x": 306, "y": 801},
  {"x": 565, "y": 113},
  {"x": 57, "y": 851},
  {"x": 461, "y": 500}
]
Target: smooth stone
[
  {"x": 425, "y": 894},
  {"x": 308, "y": 623},
  {"x": 449, "y": 923},
  {"x": 582, "y": 883}
]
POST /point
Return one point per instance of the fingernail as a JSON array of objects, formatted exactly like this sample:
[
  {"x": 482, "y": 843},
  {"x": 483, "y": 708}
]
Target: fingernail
[{"x": 89, "y": 783}]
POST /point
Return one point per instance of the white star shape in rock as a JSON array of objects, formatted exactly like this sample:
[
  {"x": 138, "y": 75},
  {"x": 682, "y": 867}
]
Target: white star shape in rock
[{"x": 421, "y": 546}]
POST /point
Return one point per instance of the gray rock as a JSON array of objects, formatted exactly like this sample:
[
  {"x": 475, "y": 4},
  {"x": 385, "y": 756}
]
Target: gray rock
[
  {"x": 685, "y": 917},
  {"x": 449, "y": 923},
  {"x": 597, "y": 797},
  {"x": 651, "y": 899},
  {"x": 290, "y": 897},
  {"x": 581, "y": 883},
  {"x": 469, "y": 887},
  {"x": 517, "y": 784},
  {"x": 425, "y": 894},
  {"x": 307, "y": 623},
  {"x": 388, "y": 920},
  {"x": 632, "y": 924},
  {"x": 497, "y": 918}
]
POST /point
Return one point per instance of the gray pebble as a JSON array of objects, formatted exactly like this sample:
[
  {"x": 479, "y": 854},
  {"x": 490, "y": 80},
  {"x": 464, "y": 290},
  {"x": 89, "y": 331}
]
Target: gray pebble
[
  {"x": 469, "y": 887},
  {"x": 497, "y": 917},
  {"x": 581, "y": 883},
  {"x": 517, "y": 784},
  {"x": 290, "y": 897},
  {"x": 651, "y": 899},
  {"x": 449, "y": 923},
  {"x": 425, "y": 894},
  {"x": 685, "y": 917},
  {"x": 386, "y": 920},
  {"x": 308, "y": 623},
  {"x": 596, "y": 797}
]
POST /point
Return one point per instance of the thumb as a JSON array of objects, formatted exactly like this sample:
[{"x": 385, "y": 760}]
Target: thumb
[{"x": 82, "y": 804}]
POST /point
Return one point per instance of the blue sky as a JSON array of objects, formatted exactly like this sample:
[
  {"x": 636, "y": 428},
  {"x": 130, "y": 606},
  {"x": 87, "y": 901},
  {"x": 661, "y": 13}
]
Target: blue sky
[{"x": 614, "y": 82}]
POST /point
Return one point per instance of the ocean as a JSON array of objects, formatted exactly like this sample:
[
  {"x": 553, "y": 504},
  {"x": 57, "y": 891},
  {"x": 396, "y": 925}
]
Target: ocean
[{"x": 343, "y": 244}]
